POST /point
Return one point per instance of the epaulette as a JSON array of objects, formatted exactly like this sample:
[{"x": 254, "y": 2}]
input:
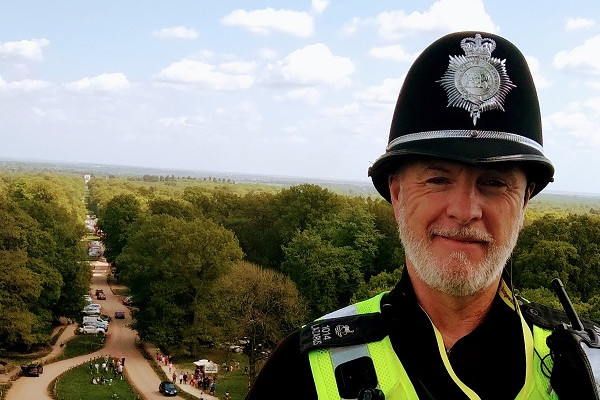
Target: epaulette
[
  {"x": 548, "y": 318},
  {"x": 343, "y": 331}
]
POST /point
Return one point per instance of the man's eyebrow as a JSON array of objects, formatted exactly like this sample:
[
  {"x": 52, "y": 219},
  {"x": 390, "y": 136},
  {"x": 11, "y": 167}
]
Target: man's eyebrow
[{"x": 434, "y": 166}]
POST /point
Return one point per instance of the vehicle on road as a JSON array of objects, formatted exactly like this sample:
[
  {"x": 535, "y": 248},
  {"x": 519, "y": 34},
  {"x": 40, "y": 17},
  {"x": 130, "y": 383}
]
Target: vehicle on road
[
  {"x": 119, "y": 314},
  {"x": 101, "y": 296},
  {"x": 105, "y": 317},
  {"x": 94, "y": 318},
  {"x": 101, "y": 325},
  {"x": 33, "y": 369},
  {"x": 167, "y": 388},
  {"x": 127, "y": 300},
  {"x": 91, "y": 329}
]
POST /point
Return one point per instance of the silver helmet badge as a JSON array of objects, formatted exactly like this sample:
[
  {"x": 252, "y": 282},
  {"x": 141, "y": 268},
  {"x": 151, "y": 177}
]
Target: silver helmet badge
[{"x": 476, "y": 82}]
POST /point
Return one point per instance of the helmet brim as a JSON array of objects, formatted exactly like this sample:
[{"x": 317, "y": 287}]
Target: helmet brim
[{"x": 471, "y": 151}]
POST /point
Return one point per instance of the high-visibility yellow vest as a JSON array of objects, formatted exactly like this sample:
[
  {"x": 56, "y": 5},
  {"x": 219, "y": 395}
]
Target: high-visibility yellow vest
[{"x": 392, "y": 378}]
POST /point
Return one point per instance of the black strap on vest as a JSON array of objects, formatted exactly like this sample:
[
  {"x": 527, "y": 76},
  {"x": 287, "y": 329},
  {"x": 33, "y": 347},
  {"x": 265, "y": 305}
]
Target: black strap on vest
[{"x": 343, "y": 331}]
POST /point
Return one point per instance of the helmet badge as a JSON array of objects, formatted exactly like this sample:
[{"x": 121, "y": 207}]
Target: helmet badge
[{"x": 476, "y": 81}]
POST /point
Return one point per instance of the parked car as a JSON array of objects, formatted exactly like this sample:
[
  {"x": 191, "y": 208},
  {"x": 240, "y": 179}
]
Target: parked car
[
  {"x": 90, "y": 311},
  {"x": 101, "y": 325},
  {"x": 119, "y": 314},
  {"x": 105, "y": 317},
  {"x": 33, "y": 369},
  {"x": 89, "y": 319},
  {"x": 91, "y": 329},
  {"x": 167, "y": 388}
]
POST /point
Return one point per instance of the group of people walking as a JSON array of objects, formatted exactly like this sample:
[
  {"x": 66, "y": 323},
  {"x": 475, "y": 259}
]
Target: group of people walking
[
  {"x": 199, "y": 379},
  {"x": 106, "y": 368}
]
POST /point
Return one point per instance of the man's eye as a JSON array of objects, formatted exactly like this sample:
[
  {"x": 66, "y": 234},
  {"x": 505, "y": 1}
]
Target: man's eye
[
  {"x": 438, "y": 180},
  {"x": 495, "y": 183}
]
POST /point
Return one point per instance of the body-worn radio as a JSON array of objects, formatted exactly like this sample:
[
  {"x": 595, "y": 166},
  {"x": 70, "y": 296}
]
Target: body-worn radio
[{"x": 575, "y": 351}]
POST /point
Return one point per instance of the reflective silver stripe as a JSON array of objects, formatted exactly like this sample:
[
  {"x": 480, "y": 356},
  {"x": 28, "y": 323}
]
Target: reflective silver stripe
[
  {"x": 341, "y": 355},
  {"x": 469, "y": 133},
  {"x": 347, "y": 311}
]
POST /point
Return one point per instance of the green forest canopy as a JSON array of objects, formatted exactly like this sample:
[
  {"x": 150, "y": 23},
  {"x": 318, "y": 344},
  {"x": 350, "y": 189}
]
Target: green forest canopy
[{"x": 179, "y": 243}]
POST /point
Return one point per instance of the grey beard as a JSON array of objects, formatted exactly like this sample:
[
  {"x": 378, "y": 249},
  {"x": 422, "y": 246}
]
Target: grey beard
[{"x": 469, "y": 278}]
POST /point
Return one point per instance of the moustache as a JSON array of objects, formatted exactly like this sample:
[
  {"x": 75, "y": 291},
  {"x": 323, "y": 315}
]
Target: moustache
[{"x": 462, "y": 233}]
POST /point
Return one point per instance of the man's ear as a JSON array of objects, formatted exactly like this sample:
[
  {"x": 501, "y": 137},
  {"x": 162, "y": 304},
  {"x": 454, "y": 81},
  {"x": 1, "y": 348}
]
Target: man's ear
[
  {"x": 528, "y": 190},
  {"x": 394, "y": 186}
]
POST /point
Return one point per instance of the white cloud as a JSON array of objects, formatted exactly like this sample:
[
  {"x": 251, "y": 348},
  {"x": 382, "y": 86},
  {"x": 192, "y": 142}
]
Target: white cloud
[
  {"x": 314, "y": 64},
  {"x": 350, "y": 27},
  {"x": 541, "y": 82},
  {"x": 443, "y": 15},
  {"x": 578, "y": 23},
  {"x": 395, "y": 52},
  {"x": 185, "y": 121},
  {"x": 309, "y": 95},
  {"x": 176, "y": 32},
  {"x": 318, "y": 6},
  {"x": 268, "y": 20},
  {"x": 580, "y": 121},
  {"x": 268, "y": 54},
  {"x": 27, "y": 85},
  {"x": 581, "y": 59},
  {"x": 49, "y": 114},
  {"x": 386, "y": 93},
  {"x": 113, "y": 82},
  {"x": 238, "y": 67},
  {"x": 340, "y": 112},
  {"x": 25, "y": 49},
  {"x": 199, "y": 72}
]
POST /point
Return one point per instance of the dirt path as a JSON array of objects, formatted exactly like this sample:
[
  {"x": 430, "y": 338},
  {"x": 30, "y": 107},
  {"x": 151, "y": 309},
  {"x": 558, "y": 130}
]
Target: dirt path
[{"x": 120, "y": 342}]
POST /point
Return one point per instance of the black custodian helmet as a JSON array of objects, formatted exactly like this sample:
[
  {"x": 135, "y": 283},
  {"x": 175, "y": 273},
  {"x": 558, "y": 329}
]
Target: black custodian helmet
[{"x": 469, "y": 97}]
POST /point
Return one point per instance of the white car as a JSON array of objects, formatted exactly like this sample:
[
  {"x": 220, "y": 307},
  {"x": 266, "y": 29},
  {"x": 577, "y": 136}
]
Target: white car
[
  {"x": 91, "y": 311},
  {"x": 91, "y": 329},
  {"x": 101, "y": 325}
]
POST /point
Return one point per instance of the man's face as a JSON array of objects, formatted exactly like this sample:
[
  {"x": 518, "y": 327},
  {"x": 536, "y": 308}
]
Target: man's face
[{"x": 458, "y": 223}]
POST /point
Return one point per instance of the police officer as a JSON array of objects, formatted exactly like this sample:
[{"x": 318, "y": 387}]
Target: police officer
[{"x": 464, "y": 157}]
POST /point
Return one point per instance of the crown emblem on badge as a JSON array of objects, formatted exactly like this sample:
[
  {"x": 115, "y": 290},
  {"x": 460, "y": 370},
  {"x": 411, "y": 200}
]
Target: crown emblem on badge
[{"x": 476, "y": 81}]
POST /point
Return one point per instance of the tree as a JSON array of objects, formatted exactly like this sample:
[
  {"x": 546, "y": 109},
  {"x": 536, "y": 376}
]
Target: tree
[
  {"x": 382, "y": 282},
  {"x": 170, "y": 265},
  {"x": 173, "y": 207},
  {"x": 257, "y": 304},
  {"x": 121, "y": 211},
  {"x": 353, "y": 227},
  {"x": 327, "y": 276}
]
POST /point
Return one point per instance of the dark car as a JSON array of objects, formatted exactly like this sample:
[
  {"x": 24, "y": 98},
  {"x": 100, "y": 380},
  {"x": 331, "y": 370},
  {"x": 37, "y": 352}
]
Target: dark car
[
  {"x": 32, "y": 369},
  {"x": 167, "y": 388},
  {"x": 101, "y": 296},
  {"x": 119, "y": 314}
]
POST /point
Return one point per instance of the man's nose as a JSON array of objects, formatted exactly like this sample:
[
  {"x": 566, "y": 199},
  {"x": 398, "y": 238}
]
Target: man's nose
[{"x": 464, "y": 203}]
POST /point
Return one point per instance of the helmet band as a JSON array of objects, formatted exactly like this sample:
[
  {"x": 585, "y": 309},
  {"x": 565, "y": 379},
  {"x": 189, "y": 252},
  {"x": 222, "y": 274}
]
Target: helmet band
[{"x": 469, "y": 133}]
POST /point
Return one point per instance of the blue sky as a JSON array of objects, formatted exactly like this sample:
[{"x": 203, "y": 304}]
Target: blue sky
[{"x": 295, "y": 88}]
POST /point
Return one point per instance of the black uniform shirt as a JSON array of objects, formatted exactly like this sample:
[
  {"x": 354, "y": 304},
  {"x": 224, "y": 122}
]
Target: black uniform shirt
[{"x": 490, "y": 360}]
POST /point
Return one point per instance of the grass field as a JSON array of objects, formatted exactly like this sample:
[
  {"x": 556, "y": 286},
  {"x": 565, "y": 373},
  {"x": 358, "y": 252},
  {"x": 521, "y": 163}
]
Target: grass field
[
  {"x": 76, "y": 385},
  {"x": 82, "y": 344}
]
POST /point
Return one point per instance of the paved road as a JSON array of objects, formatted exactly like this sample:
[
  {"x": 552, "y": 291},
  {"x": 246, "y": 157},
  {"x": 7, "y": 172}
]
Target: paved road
[{"x": 120, "y": 342}]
